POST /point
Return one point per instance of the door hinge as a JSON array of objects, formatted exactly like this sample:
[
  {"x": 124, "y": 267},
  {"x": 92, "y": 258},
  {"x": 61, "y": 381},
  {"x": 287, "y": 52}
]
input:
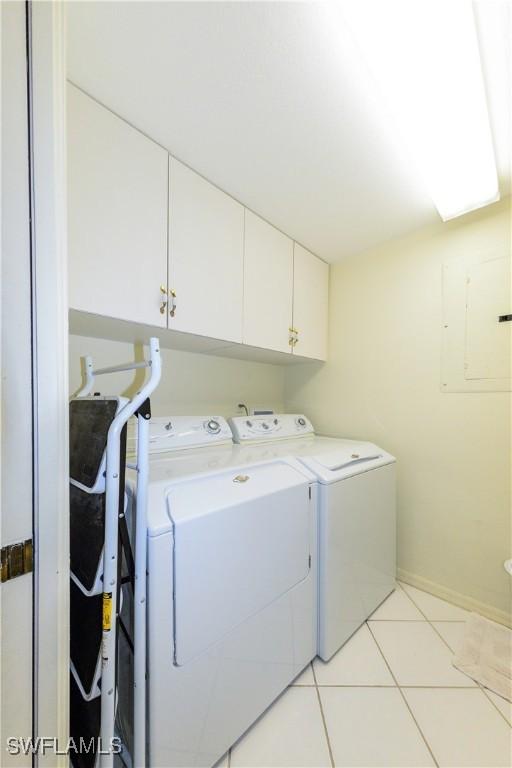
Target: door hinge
[
  {"x": 16, "y": 559},
  {"x": 309, "y": 490}
]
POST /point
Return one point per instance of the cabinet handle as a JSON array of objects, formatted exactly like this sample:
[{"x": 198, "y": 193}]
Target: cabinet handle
[
  {"x": 294, "y": 337},
  {"x": 172, "y": 294},
  {"x": 163, "y": 304}
]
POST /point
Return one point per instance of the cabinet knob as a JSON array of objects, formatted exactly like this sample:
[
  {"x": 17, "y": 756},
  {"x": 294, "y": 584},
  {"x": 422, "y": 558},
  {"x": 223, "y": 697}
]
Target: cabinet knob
[
  {"x": 172, "y": 308},
  {"x": 163, "y": 304}
]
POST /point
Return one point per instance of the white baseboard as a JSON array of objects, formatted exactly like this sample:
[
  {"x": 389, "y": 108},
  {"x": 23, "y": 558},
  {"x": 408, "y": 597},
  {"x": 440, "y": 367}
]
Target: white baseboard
[{"x": 469, "y": 603}]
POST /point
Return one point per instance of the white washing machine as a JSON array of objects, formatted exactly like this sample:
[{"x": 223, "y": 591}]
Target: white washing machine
[
  {"x": 357, "y": 517},
  {"x": 232, "y": 587}
]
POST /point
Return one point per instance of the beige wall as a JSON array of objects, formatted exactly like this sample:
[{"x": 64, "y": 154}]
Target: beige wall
[
  {"x": 191, "y": 383},
  {"x": 382, "y": 382}
]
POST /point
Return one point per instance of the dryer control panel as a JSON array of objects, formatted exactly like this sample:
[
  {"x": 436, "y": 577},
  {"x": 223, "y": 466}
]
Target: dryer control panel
[{"x": 277, "y": 426}]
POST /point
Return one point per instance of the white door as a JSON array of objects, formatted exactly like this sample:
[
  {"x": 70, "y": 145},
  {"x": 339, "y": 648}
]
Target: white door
[
  {"x": 268, "y": 285},
  {"x": 16, "y": 388},
  {"x": 34, "y": 509},
  {"x": 206, "y": 237},
  {"x": 117, "y": 209},
  {"x": 310, "y": 303}
]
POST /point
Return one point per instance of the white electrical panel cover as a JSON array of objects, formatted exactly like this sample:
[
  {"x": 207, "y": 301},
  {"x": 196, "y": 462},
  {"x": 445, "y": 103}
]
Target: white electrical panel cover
[
  {"x": 476, "y": 346},
  {"x": 487, "y": 352}
]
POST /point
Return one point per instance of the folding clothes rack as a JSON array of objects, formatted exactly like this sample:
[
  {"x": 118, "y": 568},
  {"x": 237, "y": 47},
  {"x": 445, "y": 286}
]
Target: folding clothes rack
[{"x": 105, "y": 678}]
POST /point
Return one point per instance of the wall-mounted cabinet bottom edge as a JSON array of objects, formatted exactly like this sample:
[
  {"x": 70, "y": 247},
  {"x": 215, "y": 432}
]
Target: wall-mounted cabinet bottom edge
[{"x": 102, "y": 327}]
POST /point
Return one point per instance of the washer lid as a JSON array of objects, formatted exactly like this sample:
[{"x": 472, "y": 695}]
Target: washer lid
[
  {"x": 345, "y": 461},
  {"x": 345, "y": 457}
]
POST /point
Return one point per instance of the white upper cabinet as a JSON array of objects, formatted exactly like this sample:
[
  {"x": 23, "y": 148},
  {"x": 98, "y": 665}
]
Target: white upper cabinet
[
  {"x": 117, "y": 215},
  {"x": 268, "y": 285},
  {"x": 152, "y": 242},
  {"x": 206, "y": 242},
  {"x": 310, "y": 304}
]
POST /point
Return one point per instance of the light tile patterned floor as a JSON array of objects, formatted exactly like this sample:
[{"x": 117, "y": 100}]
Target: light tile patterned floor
[{"x": 390, "y": 697}]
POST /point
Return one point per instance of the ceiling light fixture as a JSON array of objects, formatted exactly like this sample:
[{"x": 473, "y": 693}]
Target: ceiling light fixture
[{"x": 424, "y": 57}]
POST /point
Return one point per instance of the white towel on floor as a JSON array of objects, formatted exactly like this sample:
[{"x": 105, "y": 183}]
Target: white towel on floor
[{"x": 486, "y": 655}]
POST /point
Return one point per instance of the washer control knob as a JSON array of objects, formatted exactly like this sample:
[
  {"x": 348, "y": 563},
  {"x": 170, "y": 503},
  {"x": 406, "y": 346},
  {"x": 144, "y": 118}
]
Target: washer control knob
[
  {"x": 248, "y": 423},
  {"x": 168, "y": 426},
  {"x": 264, "y": 425},
  {"x": 301, "y": 421},
  {"x": 213, "y": 427}
]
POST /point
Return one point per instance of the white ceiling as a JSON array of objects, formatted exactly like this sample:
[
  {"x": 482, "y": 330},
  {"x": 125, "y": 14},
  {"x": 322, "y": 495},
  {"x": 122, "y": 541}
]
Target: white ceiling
[{"x": 271, "y": 102}]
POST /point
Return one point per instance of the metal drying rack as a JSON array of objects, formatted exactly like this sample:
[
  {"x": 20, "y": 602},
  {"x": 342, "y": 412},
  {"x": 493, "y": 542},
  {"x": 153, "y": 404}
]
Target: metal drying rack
[{"x": 138, "y": 405}]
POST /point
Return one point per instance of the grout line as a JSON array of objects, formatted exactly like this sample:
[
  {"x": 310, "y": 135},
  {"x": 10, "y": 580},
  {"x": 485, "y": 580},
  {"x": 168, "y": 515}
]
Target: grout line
[
  {"x": 447, "y": 621},
  {"x": 367, "y": 685},
  {"x": 468, "y": 687},
  {"x": 402, "y": 621},
  {"x": 443, "y": 687},
  {"x": 323, "y": 718},
  {"x": 415, "y": 604},
  {"x": 403, "y": 697},
  {"x": 484, "y": 691},
  {"x": 391, "y": 685},
  {"x": 445, "y": 642},
  {"x": 430, "y": 621},
  {"x": 440, "y": 636},
  {"x": 451, "y": 621},
  {"x": 353, "y": 685}
]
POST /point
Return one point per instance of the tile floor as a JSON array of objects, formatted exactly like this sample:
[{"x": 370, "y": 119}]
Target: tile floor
[{"x": 390, "y": 697}]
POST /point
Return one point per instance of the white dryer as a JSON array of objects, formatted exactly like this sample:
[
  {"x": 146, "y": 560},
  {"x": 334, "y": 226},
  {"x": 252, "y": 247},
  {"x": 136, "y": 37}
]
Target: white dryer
[
  {"x": 232, "y": 587},
  {"x": 357, "y": 517}
]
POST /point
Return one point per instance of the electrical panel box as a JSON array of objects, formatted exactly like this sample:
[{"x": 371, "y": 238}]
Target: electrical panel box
[
  {"x": 488, "y": 334},
  {"x": 477, "y": 325}
]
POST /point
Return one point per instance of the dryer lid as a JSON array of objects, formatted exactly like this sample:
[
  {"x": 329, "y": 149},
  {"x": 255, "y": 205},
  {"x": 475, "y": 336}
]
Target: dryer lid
[{"x": 241, "y": 540}]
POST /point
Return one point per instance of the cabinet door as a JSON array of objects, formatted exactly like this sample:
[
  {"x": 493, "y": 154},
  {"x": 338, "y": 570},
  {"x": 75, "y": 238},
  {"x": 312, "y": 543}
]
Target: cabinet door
[
  {"x": 206, "y": 231},
  {"x": 310, "y": 303},
  {"x": 117, "y": 215},
  {"x": 268, "y": 285}
]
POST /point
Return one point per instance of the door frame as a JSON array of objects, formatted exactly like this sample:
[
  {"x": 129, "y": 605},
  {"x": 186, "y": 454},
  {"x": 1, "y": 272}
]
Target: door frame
[
  {"x": 16, "y": 463},
  {"x": 47, "y": 127}
]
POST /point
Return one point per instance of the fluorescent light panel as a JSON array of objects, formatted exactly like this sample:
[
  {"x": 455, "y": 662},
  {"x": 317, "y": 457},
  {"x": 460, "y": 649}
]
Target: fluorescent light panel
[{"x": 424, "y": 57}]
